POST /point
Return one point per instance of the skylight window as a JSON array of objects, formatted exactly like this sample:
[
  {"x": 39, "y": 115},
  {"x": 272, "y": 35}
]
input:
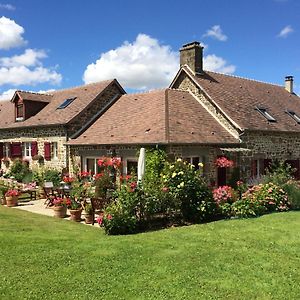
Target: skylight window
[
  {"x": 266, "y": 114},
  {"x": 293, "y": 115},
  {"x": 66, "y": 103}
]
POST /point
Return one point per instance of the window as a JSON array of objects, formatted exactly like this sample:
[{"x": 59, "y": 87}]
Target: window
[
  {"x": 90, "y": 165},
  {"x": 54, "y": 152},
  {"x": 27, "y": 149},
  {"x": 131, "y": 166},
  {"x": 19, "y": 112},
  {"x": 293, "y": 115},
  {"x": 195, "y": 160},
  {"x": 66, "y": 103},
  {"x": 266, "y": 114}
]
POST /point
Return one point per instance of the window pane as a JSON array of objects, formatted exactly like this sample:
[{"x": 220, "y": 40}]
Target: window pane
[
  {"x": 90, "y": 165},
  {"x": 132, "y": 166}
]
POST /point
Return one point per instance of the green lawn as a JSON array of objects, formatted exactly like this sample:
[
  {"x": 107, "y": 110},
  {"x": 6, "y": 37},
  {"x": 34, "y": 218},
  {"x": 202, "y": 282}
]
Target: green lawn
[{"x": 46, "y": 258}]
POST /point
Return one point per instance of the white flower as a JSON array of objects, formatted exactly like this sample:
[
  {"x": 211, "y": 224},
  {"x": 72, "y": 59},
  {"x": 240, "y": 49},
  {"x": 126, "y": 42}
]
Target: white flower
[
  {"x": 179, "y": 159},
  {"x": 180, "y": 173},
  {"x": 200, "y": 165},
  {"x": 174, "y": 174}
]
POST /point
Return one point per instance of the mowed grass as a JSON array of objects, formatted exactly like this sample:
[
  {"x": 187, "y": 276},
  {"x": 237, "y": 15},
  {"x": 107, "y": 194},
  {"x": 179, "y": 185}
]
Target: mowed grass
[{"x": 46, "y": 258}]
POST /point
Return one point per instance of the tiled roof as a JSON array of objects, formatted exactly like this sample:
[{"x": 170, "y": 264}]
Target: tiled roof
[
  {"x": 164, "y": 116},
  {"x": 7, "y": 114},
  {"x": 30, "y": 96},
  {"x": 238, "y": 98},
  {"x": 50, "y": 115}
]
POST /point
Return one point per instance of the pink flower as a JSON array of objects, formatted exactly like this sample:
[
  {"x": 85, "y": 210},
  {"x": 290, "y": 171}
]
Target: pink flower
[
  {"x": 165, "y": 189},
  {"x": 100, "y": 220},
  {"x": 223, "y": 162},
  {"x": 109, "y": 217}
]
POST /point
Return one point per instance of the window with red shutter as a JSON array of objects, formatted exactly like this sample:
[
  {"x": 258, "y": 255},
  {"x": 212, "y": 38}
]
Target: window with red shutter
[
  {"x": 34, "y": 148},
  {"x": 47, "y": 151},
  {"x": 1, "y": 150},
  {"x": 16, "y": 150}
]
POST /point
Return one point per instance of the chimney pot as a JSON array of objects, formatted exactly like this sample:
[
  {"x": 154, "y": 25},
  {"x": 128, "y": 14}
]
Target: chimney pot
[
  {"x": 191, "y": 54},
  {"x": 289, "y": 82}
]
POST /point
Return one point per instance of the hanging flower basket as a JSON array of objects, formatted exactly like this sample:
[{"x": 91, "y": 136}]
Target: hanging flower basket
[{"x": 223, "y": 162}]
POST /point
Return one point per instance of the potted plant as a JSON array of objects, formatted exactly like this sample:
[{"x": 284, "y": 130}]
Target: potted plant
[
  {"x": 75, "y": 210},
  {"x": 12, "y": 197},
  {"x": 60, "y": 207},
  {"x": 89, "y": 213},
  {"x": 3, "y": 190}
]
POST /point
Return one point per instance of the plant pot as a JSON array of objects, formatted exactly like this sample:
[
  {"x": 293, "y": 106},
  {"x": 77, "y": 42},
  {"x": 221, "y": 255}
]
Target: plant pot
[
  {"x": 3, "y": 200},
  {"x": 60, "y": 211},
  {"x": 11, "y": 201},
  {"x": 75, "y": 215},
  {"x": 89, "y": 218}
]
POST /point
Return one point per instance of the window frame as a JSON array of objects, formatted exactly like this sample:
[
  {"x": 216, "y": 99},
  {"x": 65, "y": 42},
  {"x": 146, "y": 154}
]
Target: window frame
[
  {"x": 26, "y": 148},
  {"x": 66, "y": 102},
  {"x": 20, "y": 108},
  {"x": 292, "y": 114},
  {"x": 264, "y": 112},
  {"x": 54, "y": 150}
]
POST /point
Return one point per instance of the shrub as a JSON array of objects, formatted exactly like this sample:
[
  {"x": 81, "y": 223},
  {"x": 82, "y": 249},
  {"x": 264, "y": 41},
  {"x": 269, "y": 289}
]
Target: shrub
[
  {"x": 19, "y": 169},
  {"x": 224, "y": 196},
  {"x": 52, "y": 175},
  {"x": 292, "y": 189},
  {"x": 118, "y": 220},
  {"x": 103, "y": 182},
  {"x": 189, "y": 191},
  {"x": 279, "y": 173},
  {"x": 247, "y": 208}
]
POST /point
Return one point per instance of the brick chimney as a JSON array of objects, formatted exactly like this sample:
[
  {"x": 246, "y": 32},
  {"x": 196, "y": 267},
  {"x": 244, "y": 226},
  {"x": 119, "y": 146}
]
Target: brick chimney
[
  {"x": 289, "y": 82},
  {"x": 191, "y": 54}
]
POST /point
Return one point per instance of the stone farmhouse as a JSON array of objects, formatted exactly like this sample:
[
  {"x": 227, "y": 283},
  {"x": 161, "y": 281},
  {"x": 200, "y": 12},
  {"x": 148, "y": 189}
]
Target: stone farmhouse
[{"x": 201, "y": 116}]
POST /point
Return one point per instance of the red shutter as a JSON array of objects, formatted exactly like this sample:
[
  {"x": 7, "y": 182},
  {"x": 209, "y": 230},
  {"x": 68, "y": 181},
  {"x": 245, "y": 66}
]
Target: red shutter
[
  {"x": 254, "y": 168},
  {"x": 47, "y": 151},
  {"x": 1, "y": 150},
  {"x": 34, "y": 148},
  {"x": 16, "y": 150}
]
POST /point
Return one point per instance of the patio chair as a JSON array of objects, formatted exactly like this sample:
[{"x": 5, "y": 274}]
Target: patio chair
[{"x": 49, "y": 193}]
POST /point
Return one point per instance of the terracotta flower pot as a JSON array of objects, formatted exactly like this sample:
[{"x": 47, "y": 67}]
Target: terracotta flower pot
[
  {"x": 60, "y": 211},
  {"x": 3, "y": 200},
  {"x": 89, "y": 218},
  {"x": 75, "y": 215},
  {"x": 11, "y": 201}
]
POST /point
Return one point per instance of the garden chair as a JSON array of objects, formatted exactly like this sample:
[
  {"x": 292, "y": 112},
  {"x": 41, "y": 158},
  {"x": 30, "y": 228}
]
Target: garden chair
[{"x": 49, "y": 193}]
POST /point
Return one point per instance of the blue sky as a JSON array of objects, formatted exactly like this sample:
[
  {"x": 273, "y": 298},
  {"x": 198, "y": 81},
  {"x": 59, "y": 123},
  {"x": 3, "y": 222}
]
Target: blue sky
[{"x": 48, "y": 45}]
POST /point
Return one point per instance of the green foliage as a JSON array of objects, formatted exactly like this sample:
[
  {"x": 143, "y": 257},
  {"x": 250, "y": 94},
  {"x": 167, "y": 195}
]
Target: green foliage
[
  {"x": 119, "y": 218},
  {"x": 261, "y": 199},
  {"x": 19, "y": 169},
  {"x": 52, "y": 175},
  {"x": 292, "y": 189},
  {"x": 103, "y": 182},
  {"x": 189, "y": 191},
  {"x": 279, "y": 173}
]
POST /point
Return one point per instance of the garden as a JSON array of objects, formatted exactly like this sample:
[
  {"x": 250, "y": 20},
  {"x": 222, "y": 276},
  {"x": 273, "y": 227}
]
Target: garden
[{"x": 170, "y": 194}]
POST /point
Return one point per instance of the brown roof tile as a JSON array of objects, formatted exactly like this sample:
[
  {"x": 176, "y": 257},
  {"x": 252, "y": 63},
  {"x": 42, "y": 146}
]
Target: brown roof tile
[
  {"x": 164, "y": 116},
  {"x": 50, "y": 115},
  {"x": 238, "y": 98},
  {"x": 30, "y": 96},
  {"x": 7, "y": 114}
]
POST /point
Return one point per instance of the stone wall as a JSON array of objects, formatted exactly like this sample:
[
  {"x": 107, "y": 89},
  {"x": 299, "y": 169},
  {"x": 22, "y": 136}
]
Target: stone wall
[
  {"x": 184, "y": 83},
  {"x": 269, "y": 145},
  {"x": 107, "y": 98},
  {"x": 40, "y": 135}
]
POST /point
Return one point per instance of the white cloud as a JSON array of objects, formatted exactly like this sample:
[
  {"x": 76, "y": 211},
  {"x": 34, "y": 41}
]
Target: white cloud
[
  {"x": 7, "y": 95},
  {"x": 23, "y": 75},
  {"x": 7, "y": 6},
  {"x": 287, "y": 30},
  {"x": 29, "y": 58},
  {"x": 143, "y": 64},
  {"x": 217, "y": 33},
  {"x": 10, "y": 34},
  {"x": 215, "y": 63}
]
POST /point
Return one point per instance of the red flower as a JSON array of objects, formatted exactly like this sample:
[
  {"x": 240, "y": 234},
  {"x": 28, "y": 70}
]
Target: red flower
[
  {"x": 68, "y": 179},
  {"x": 165, "y": 189},
  {"x": 100, "y": 220},
  {"x": 109, "y": 217},
  {"x": 97, "y": 176},
  {"x": 223, "y": 162}
]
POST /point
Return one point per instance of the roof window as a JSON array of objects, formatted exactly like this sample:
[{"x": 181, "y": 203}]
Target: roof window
[
  {"x": 293, "y": 115},
  {"x": 266, "y": 114},
  {"x": 66, "y": 103}
]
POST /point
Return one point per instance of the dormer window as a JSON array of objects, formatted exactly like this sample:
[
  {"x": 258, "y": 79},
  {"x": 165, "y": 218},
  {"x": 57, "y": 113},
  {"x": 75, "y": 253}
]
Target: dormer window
[
  {"x": 293, "y": 115},
  {"x": 266, "y": 114},
  {"x": 19, "y": 112}
]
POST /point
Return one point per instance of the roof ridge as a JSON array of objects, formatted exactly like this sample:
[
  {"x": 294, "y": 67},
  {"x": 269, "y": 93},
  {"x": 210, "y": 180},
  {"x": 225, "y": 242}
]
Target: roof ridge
[
  {"x": 147, "y": 92},
  {"x": 84, "y": 85},
  {"x": 244, "y": 78},
  {"x": 34, "y": 93}
]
